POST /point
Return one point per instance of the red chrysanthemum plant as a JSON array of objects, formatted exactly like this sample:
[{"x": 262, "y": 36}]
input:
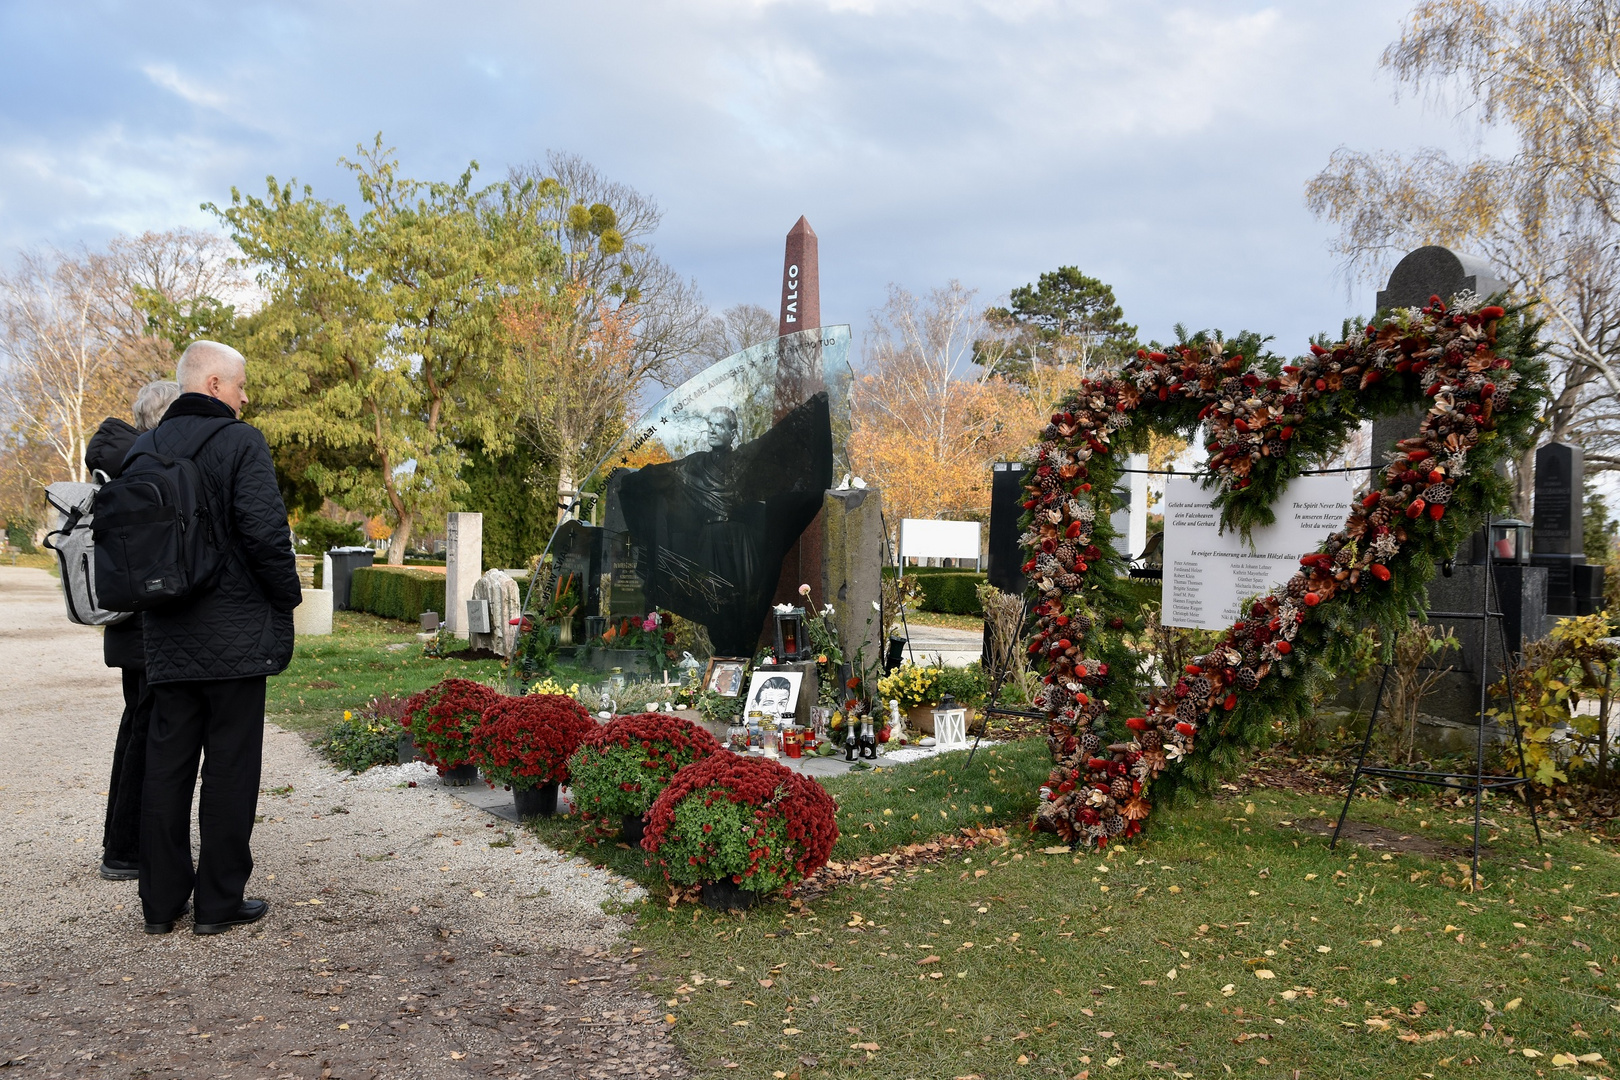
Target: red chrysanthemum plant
[
  {"x": 621, "y": 767},
  {"x": 525, "y": 742},
  {"x": 443, "y": 717},
  {"x": 747, "y": 819}
]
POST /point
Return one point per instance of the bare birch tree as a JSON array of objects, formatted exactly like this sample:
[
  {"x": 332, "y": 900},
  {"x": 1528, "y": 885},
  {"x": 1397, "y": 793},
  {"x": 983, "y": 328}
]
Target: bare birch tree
[{"x": 1547, "y": 74}]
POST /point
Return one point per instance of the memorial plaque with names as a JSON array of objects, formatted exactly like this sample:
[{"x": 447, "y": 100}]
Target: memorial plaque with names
[{"x": 1208, "y": 573}]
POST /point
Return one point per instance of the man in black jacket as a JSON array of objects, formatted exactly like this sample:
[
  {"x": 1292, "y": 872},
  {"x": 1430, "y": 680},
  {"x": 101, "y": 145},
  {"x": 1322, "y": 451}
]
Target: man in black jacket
[
  {"x": 207, "y": 658},
  {"x": 122, "y": 649}
]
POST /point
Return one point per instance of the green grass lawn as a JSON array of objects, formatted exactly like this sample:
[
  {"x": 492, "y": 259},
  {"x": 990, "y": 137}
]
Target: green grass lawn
[
  {"x": 1222, "y": 942},
  {"x": 354, "y": 664},
  {"x": 955, "y": 622}
]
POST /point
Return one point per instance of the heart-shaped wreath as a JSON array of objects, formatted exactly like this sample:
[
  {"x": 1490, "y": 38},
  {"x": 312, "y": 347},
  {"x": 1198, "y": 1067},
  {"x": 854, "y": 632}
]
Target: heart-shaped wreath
[{"x": 1479, "y": 370}]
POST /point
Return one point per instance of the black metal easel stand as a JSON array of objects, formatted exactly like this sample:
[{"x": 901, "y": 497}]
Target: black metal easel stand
[{"x": 1480, "y": 781}]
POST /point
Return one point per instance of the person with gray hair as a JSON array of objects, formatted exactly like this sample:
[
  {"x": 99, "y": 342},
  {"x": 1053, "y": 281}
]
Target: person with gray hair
[
  {"x": 208, "y": 656},
  {"x": 122, "y": 648}
]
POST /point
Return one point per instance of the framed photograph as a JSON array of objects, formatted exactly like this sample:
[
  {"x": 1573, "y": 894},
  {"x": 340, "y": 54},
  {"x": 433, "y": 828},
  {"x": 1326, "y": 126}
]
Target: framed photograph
[
  {"x": 725, "y": 675},
  {"x": 773, "y": 691}
]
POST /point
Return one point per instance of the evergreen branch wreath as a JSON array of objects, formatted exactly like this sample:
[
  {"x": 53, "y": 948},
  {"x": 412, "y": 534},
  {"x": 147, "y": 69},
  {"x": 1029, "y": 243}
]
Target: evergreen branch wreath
[{"x": 1479, "y": 369}]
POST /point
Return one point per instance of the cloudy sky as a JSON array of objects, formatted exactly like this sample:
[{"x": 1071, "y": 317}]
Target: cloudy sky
[{"x": 1160, "y": 146}]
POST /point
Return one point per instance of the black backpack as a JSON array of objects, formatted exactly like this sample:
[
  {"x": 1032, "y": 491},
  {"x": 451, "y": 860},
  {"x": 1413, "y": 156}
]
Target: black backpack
[{"x": 157, "y": 540}]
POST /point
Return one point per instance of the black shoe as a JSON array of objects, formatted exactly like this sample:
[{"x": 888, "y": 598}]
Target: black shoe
[
  {"x": 168, "y": 927},
  {"x": 118, "y": 870},
  {"x": 250, "y": 911}
]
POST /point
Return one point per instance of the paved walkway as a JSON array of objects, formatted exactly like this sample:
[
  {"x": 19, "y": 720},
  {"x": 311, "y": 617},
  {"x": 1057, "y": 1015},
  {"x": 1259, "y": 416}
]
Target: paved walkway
[
  {"x": 400, "y": 943},
  {"x": 958, "y": 648}
]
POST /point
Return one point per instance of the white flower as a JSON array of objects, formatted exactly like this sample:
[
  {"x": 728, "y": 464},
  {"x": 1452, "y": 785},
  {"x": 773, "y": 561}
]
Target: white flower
[
  {"x": 804, "y": 590},
  {"x": 1173, "y": 752},
  {"x": 877, "y": 607},
  {"x": 784, "y": 609},
  {"x": 827, "y": 611}
]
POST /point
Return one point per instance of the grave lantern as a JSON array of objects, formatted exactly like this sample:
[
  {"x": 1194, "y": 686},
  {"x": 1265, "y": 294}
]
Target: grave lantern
[
  {"x": 790, "y": 643},
  {"x": 950, "y": 723},
  {"x": 595, "y": 627},
  {"x": 1510, "y": 540}
]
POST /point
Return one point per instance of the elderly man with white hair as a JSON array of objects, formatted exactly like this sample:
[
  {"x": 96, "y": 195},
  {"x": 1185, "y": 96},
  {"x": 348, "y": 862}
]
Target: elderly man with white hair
[{"x": 208, "y": 655}]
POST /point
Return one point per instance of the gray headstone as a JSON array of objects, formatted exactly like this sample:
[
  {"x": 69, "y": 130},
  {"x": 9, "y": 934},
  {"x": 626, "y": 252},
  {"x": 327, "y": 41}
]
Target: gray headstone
[
  {"x": 1557, "y": 517},
  {"x": 1437, "y": 271}
]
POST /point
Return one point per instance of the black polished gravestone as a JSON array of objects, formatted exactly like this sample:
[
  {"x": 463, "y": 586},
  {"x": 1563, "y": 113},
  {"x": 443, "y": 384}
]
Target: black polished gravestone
[
  {"x": 1558, "y": 541},
  {"x": 1423, "y": 273},
  {"x": 705, "y": 535},
  {"x": 1006, "y": 563}
]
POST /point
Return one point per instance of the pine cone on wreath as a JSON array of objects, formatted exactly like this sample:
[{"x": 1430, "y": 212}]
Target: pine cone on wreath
[
  {"x": 1151, "y": 740},
  {"x": 1066, "y": 554},
  {"x": 1296, "y": 586},
  {"x": 1345, "y": 556},
  {"x": 1120, "y": 788}
]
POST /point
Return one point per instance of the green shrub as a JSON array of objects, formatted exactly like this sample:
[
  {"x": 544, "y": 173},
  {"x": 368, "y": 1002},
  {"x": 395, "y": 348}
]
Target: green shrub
[
  {"x": 396, "y": 592},
  {"x": 955, "y": 593},
  {"x": 318, "y": 535},
  {"x": 369, "y": 737}
]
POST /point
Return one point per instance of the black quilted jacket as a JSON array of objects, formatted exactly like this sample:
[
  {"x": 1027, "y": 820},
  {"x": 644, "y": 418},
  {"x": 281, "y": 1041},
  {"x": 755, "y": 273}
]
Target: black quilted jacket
[{"x": 241, "y": 625}]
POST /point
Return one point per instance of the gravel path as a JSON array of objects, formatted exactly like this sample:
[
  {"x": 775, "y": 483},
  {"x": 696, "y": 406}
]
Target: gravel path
[{"x": 409, "y": 934}]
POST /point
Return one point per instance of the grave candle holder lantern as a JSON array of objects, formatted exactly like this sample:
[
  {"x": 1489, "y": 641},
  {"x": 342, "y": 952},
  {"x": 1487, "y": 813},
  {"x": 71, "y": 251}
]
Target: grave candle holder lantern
[
  {"x": 1510, "y": 540},
  {"x": 790, "y": 643},
  {"x": 950, "y": 723}
]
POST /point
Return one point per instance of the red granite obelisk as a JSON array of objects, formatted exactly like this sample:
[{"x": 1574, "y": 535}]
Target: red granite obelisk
[
  {"x": 795, "y": 382},
  {"x": 801, "y": 281}
]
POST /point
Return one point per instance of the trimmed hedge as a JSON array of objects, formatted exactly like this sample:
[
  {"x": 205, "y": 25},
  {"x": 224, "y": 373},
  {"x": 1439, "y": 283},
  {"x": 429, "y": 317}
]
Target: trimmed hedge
[
  {"x": 396, "y": 592},
  {"x": 945, "y": 589}
]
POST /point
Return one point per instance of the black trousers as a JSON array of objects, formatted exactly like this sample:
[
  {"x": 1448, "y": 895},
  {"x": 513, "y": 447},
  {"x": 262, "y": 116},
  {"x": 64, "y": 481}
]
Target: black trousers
[
  {"x": 222, "y": 721},
  {"x": 121, "y": 836}
]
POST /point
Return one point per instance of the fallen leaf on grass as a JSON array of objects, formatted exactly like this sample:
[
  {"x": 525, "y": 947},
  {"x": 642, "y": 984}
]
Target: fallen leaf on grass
[
  {"x": 1377, "y": 1024},
  {"x": 928, "y": 960},
  {"x": 868, "y": 1046},
  {"x": 1228, "y": 990},
  {"x": 1264, "y": 973},
  {"x": 1514, "y": 1004}
]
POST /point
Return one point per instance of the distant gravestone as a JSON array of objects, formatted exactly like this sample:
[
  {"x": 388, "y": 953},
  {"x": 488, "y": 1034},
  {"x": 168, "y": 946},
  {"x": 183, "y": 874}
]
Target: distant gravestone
[
  {"x": 1557, "y": 540},
  {"x": 503, "y": 603},
  {"x": 1557, "y": 516},
  {"x": 463, "y": 565}
]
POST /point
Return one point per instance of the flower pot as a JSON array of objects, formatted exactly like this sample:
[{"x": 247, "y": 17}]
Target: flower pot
[
  {"x": 633, "y": 829},
  {"x": 727, "y": 895},
  {"x": 407, "y": 748},
  {"x": 536, "y": 801},
  {"x": 460, "y": 776}
]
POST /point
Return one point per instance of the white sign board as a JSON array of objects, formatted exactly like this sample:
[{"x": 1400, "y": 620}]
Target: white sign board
[
  {"x": 1207, "y": 574},
  {"x": 921, "y": 538}
]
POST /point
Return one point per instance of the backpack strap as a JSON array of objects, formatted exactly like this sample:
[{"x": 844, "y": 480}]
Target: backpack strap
[{"x": 147, "y": 442}]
